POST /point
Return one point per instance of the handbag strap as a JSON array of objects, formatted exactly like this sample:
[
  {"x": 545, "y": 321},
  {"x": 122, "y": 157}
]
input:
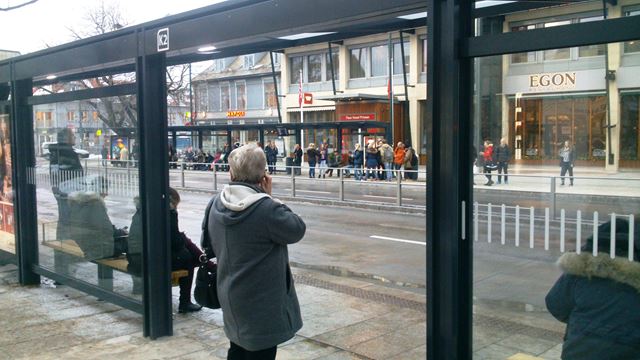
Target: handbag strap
[{"x": 205, "y": 242}]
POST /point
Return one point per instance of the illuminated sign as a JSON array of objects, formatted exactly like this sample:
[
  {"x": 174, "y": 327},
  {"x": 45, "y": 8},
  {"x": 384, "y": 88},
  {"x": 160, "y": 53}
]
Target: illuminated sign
[
  {"x": 236, "y": 113},
  {"x": 357, "y": 117},
  {"x": 552, "y": 81}
]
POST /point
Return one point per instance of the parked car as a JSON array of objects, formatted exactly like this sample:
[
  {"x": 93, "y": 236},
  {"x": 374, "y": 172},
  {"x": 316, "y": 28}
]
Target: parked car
[{"x": 83, "y": 154}]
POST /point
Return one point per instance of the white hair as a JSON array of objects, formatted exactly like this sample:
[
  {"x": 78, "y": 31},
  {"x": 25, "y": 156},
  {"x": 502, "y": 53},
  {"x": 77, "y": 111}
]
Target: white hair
[{"x": 247, "y": 164}]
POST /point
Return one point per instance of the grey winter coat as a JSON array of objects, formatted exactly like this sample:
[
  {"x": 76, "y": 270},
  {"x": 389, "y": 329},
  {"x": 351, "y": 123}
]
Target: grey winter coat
[
  {"x": 599, "y": 300},
  {"x": 249, "y": 233},
  {"x": 90, "y": 225}
]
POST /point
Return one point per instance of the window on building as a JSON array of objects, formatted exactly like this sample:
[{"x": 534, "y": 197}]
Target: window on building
[
  {"x": 397, "y": 58},
  {"x": 632, "y": 46},
  {"x": 358, "y": 63},
  {"x": 314, "y": 68},
  {"x": 591, "y": 50},
  {"x": 84, "y": 116},
  {"x": 379, "y": 60},
  {"x": 255, "y": 97},
  {"x": 71, "y": 115},
  {"x": 527, "y": 57},
  {"x": 241, "y": 95},
  {"x": 225, "y": 97},
  {"x": 248, "y": 61},
  {"x": 201, "y": 96},
  {"x": 557, "y": 54},
  {"x": 270, "y": 100},
  {"x": 424, "y": 55},
  {"x": 336, "y": 65},
  {"x": 295, "y": 67}
]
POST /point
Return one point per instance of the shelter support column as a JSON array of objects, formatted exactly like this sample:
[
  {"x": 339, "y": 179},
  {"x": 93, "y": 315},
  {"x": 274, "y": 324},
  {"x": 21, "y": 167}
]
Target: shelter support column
[{"x": 154, "y": 183}]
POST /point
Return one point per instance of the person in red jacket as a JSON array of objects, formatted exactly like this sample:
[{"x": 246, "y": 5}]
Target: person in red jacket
[{"x": 489, "y": 165}]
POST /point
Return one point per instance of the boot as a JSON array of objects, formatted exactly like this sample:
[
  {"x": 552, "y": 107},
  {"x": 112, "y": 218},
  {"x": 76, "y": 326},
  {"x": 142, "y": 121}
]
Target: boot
[{"x": 188, "y": 307}]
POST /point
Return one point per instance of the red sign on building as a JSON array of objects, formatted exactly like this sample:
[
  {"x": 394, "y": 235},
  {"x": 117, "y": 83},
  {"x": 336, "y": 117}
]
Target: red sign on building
[
  {"x": 308, "y": 98},
  {"x": 357, "y": 117}
]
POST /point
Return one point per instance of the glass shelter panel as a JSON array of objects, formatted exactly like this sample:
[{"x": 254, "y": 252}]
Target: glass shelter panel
[
  {"x": 86, "y": 175},
  {"x": 7, "y": 225},
  {"x": 555, "y": 207}
]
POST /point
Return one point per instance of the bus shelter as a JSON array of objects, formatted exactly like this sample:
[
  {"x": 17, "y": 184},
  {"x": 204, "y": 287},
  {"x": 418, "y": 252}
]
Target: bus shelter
[{"x": 59, "y": 213}]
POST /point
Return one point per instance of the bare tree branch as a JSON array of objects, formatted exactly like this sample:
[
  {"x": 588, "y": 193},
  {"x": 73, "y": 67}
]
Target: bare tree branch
[{"x": 9, "y": 8}]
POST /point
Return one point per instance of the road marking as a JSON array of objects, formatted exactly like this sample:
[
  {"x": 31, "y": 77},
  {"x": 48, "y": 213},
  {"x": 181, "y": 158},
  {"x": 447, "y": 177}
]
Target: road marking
[
  {"x": 398, "y": 240},
  {"x": 386, "y": 197},
  {"x": 312, "y": 191}
]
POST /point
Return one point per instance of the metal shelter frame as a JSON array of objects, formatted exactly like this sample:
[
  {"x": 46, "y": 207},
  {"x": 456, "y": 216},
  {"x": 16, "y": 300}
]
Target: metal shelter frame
[{"x": 239, "y": 27}]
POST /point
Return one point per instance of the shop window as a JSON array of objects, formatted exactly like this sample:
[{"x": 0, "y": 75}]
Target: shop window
[
  {"x": 632, "y": 46},
  {"x": 314, "y": 68},
  {"x": 336, "y": 65},
  {"x": 241, "y": 95},
  {"x": 295, "y": 67},
  {"x": 358, "y": 63},
  {"x": 630, "y": 132},
  {"x": 225, "y": 97},
  {"x": 526, "y": 57},
  {"x": 379, "y": 56},
  {"x": 591, "y": 50}
]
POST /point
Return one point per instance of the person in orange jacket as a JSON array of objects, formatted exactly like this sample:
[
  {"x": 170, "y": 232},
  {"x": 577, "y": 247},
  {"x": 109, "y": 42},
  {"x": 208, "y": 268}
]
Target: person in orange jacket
[{"x": 398, "y": 157}]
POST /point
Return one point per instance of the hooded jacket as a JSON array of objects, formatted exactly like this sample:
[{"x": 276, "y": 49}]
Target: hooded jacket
[
  {"x": 249, "y": 233},
  {"x": 89, "y": 225},
  {"x": 599, "y": 300}
]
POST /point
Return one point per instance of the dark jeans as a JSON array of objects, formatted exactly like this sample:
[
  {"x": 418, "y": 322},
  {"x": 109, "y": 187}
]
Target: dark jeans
[
  {"x": 188, "y": 260},
  {"x": 503, "y": 166},
  {"x": 312, "y": 169},
  {"x": 236, "y": 352},
  {"x": 487, "y": 172},
  {"x": 564, "y": 166}
]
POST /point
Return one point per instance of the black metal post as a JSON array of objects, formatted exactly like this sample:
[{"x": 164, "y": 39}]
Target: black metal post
[
  {"x": 333, "y": 76},
  {"x": 406, "y": 116},
  {"x": 275, "y": 85},
  {"x": 449, "y": 189},
  {"x": 154, "y": 182},
  {"x": 22, "y": 149}
]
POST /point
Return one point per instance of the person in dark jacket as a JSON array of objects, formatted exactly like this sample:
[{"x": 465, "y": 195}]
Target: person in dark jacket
[
  {"x": 503, "y": 156},
  {"x": 371, "y": 159},
  {"x": 297, "y": 159},
  {"x": 598, "y": 297},
  {"x": 312, "y": 158},
  {"x": 249, "y": 232},
  {"x": 64, "y": 166},
  {"x": 358, "y": 161},
  {"x": 567, "y": 157}
]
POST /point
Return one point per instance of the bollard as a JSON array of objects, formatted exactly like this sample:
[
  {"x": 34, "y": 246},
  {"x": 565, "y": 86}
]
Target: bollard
[
  {"x": 293, "y": 182},
  {"x": 612, "y": 245},
  {"x": 341, "y": 188},
  {"x": 595, "y": 233},
  {"x": 128, "y": 171},
  {"x": 399, "y": 190},
  {"x": 578, "y": 231},
  {"x": 182, "y": 175},
  {"x": 552, "y": 197},
  {"x": 215, "y": 177}
]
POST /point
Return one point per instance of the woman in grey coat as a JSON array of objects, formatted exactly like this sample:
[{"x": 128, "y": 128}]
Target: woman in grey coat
[{"x": 249, "y": 232}]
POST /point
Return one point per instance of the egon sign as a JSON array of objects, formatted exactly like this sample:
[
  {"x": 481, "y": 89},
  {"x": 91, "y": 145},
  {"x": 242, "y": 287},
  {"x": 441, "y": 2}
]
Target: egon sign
[{"x": 552, "y": 81}]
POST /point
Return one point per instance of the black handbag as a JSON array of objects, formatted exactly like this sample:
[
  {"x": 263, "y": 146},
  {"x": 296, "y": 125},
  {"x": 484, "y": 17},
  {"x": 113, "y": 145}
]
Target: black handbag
[{"x": 206, "y": 290}]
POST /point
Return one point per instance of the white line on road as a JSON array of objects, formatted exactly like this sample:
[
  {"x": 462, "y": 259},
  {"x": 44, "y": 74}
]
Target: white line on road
[
  {"x": 311, "y": 191},
  {"x": 398, "y": 240},
  {"x": 386, "y": 197}
]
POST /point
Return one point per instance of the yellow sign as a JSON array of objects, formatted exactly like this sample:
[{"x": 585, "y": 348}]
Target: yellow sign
[
  {"x": 98, "y": 132},
  {"x": 236, "y": 113}
]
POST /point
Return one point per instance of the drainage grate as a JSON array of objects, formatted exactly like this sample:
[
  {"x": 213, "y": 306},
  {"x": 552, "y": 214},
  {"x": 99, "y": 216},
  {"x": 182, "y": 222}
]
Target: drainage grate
[
  {"x": 512, "y": 327},
  {"x": 362, "y": 294}
]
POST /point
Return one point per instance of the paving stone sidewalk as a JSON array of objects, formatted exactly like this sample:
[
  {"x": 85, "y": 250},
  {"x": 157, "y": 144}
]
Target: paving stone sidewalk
[{"x": 343, "y": 319}]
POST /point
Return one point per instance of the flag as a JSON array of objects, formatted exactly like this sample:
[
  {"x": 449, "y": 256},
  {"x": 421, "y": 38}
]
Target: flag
[{"x": 300, "y": 94}]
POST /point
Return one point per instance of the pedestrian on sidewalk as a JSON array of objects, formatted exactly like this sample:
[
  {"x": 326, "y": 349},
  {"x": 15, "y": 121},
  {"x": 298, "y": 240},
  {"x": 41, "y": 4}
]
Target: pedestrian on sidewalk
[
  {"x": 398, "y": 158},
  {"x": 297, "y": 159},
  {"x": 249, "y": 232},
  {"x": 323, "y": 157},
  {"x": 489, "y": 164},
  {"x": 312, "y": 158},
  {"x": 358, "y": 162},
  {"x": 567, "y": 157},
  {"x": 503, "y": 156},
  {"x": 599, "y": 297},
  {"x": 386, "y": 151}
]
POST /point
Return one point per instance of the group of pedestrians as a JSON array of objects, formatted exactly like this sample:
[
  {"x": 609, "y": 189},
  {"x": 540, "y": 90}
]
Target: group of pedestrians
[
  {"x": 379, "y": 161},
  {"x": 490, "y": 159}
]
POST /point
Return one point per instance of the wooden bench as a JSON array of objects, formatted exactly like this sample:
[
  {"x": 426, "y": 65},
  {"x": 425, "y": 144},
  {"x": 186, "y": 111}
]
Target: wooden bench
[{"x": 64, "y": 248}]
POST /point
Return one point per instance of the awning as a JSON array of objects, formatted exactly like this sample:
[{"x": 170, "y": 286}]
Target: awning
[{"x": 310, "y": 109}]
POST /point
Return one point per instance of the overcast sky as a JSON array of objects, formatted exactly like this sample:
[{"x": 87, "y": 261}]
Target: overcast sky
[{"x": 46, "y": 22}]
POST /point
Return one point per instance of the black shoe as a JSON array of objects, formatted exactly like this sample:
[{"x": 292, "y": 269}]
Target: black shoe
[{"x": 189, "y": 307}]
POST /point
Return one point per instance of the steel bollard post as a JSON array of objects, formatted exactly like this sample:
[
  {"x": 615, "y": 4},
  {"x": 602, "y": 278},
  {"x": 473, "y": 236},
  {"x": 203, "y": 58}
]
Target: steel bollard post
[
  {"x": 215, "y": 177},
  {"x": 293, "y": 181},
  {"x": 399, "y": 190},
  {"x": 182, "y": 175},
  {"x": 552, "y": 197},
  {"x": 341, "y": 192}
]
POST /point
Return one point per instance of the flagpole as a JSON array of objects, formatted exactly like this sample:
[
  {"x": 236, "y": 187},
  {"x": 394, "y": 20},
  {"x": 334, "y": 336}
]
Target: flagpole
[
  {"x": 300, "y": 102},
  {"x": 391, "y": 122}
]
